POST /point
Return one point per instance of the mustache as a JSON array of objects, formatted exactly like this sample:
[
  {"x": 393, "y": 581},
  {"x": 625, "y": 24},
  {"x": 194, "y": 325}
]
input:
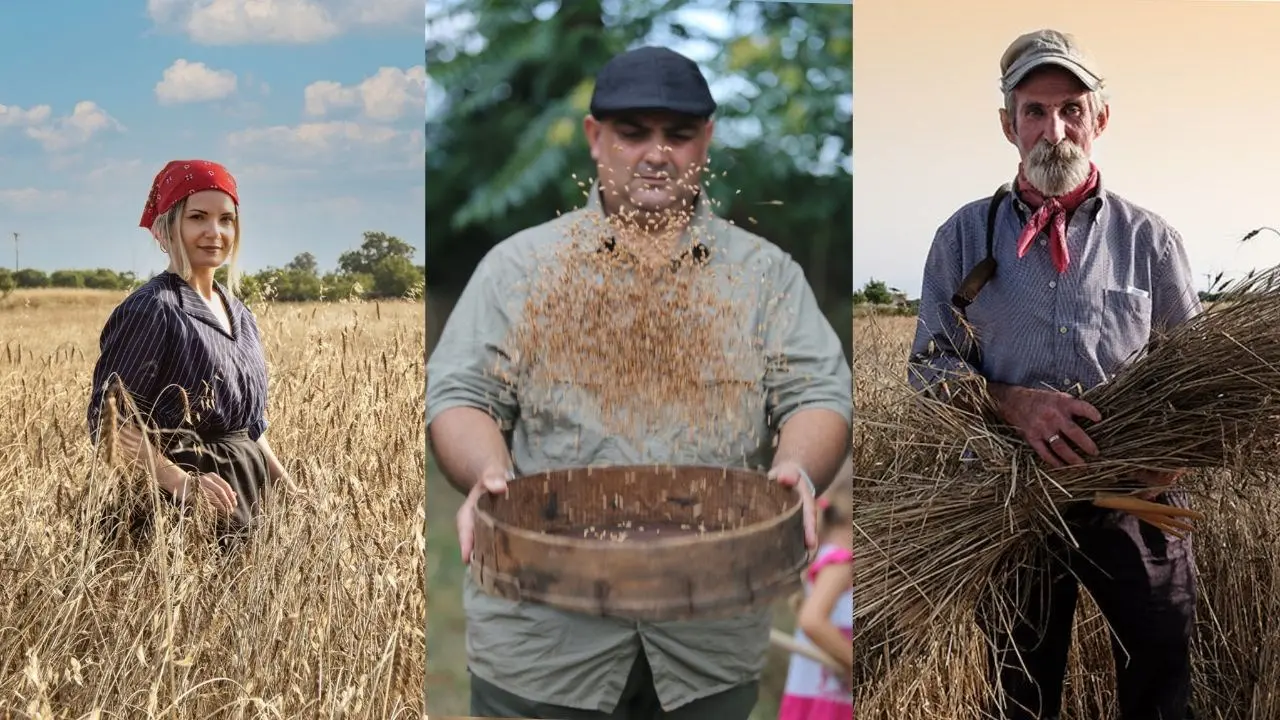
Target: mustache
[
  {"x": 1062, "y": 153},
  {"x": 667, "y": 172}
]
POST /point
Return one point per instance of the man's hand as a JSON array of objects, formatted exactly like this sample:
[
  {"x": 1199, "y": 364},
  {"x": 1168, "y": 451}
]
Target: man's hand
[
  {"x": 1046, "y": 420},
  {"x": 791, "y": 475},
  {"x": 492, "y": 481}
]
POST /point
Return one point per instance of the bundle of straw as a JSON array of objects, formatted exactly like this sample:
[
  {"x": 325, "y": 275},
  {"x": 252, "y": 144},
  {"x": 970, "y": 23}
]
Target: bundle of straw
[{"x": 949, "y": 502}]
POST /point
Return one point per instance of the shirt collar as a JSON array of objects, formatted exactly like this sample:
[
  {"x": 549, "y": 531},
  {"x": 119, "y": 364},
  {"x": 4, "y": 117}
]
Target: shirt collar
[
  {"x": 698, "y": 235},
  {"x": 1093, "y": 205}
]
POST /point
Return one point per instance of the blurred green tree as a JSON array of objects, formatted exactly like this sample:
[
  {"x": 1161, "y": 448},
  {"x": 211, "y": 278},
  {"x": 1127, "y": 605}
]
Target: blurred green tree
[
  {"x": 66, "y": 279},
  {"x": 512, "y": 84},
  {"x": 377, "y": 246},
  {"x": 31, "y": 278}
]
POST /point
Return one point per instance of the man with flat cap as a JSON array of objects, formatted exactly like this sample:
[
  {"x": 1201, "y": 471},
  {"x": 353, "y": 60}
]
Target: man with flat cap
[
  {"x": 1062, "y": 281},
  {"x": 649, "y": 129}
]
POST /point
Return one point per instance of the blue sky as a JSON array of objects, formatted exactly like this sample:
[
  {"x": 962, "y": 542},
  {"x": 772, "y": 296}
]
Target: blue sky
[{"x": 314, "y": 105}]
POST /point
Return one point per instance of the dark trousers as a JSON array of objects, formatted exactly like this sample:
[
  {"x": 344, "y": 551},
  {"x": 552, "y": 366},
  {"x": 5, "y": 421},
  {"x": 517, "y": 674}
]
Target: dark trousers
[
  {"x": 639, "y": 702},
  {"x": 231, "y": 456},
  {"x": 1144, "y": 583}
]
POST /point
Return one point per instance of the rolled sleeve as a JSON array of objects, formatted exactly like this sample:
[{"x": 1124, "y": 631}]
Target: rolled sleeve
[
  {"x": 1174, "y": 299},
  {"x": 470, "y": 366},
  {"x": 940, "y": 350},
  {"x": 810, "y": 369},
  {"x": 132, "y": 346}
]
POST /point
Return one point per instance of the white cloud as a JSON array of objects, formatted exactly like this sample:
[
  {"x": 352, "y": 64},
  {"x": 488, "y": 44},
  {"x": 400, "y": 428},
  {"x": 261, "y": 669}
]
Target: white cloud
[
  {"x": 32, "y": 200},
  {"x": 14, "y": 116},
  {"x": 327, "y": 140},
  {"x": 388, "y": 95},
  {"x": 185, "y": 82},
  {"x": 233, "y": 22},
  {"x": 60, "y": 134},
  {"x": 78, "y": 128}
]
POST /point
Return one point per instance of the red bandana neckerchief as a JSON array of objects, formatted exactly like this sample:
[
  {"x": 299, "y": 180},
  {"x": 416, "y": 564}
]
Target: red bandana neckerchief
[{"x": 1052, "y": 213}]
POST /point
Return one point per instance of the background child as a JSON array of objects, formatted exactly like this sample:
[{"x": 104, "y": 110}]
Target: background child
[{"x": 825, "y": 616}]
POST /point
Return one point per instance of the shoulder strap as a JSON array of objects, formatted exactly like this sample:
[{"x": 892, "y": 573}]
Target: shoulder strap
[{"x": 981, "y": 273}]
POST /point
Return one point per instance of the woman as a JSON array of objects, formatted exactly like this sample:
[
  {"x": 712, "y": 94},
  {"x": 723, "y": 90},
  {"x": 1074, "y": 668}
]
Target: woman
[{"x": 187, "y": 354}]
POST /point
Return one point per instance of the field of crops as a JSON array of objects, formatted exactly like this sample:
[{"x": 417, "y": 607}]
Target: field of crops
[
  {"x": 323, "y": 617},
  {"x": 1237, "y": 655}
]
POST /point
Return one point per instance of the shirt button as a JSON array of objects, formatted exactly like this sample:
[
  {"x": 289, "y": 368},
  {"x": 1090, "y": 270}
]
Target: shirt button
[
  {"x": 1043, "y": 242},
  {"x": 1053, "y": 284},
  {"x": 1063, "y": 329}
]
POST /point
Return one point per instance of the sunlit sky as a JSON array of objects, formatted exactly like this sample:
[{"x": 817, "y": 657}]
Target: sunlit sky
[
  {"x": 1194, "y": 102},
  {"x": 314, "y": 105}
]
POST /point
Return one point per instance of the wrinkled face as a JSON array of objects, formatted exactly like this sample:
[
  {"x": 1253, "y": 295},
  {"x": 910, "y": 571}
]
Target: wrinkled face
[
  {"x": 207, "y": 229},
  {"x": 1053, "y": 124},
  {"x": 648, "y": 162}
]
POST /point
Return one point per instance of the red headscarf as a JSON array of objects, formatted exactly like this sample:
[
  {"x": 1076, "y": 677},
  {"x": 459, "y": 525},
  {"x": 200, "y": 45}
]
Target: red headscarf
[{"x": 181, "y": 179}]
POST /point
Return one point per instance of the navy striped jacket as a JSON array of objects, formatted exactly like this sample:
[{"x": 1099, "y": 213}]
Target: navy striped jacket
[{"x": 164, "y": 337}]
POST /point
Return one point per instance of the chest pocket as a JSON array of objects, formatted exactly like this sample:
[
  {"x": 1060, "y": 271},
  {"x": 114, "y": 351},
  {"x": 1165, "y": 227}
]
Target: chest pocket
[{"x": 1126, "y": 327}]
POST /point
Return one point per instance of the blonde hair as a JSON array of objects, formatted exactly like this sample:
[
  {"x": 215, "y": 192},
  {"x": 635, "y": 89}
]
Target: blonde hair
[{"x": 167, "y": 230}]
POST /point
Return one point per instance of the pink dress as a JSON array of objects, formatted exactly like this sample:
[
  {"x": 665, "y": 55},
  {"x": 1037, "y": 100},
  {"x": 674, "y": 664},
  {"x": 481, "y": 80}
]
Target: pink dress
[{"x": 813, "y": 692}]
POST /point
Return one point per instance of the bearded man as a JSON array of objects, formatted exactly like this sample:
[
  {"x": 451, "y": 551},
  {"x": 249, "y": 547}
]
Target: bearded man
[{"x": 1085, "y": 280}]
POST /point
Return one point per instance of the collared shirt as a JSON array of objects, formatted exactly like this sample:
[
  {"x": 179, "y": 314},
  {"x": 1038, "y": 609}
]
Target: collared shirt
[
  {"x": 164, "y": 338},
  {"x": 551, "y": 656},
  {"x": 1128, "y": 280}
]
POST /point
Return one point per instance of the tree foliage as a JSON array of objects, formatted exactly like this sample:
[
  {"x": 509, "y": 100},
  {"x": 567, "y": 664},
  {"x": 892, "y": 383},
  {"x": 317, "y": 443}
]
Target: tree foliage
[
  {"x": 505, "y": 143},
  {"x": 389, "y": 261}
]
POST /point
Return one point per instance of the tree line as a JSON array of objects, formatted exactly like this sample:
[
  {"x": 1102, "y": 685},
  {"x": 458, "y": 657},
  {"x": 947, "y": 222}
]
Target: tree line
[
  {"x": 381, "y": 268},
  {"x": 879, "y": 297}
]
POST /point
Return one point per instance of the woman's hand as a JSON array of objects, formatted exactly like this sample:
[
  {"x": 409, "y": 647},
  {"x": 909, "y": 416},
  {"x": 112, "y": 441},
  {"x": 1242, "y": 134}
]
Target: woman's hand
[
  {"x": 136, "y": 449},
  {"x": 207, "y": 485}
]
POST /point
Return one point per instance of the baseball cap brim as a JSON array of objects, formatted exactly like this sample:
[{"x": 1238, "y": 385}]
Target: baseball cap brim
[
  {"x": 693, "y": 109},
  {"x": 1023, "y": 67}
]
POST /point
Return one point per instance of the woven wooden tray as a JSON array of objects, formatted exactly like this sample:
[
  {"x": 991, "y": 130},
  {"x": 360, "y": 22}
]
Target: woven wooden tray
[{"x": 645, "y": 542}]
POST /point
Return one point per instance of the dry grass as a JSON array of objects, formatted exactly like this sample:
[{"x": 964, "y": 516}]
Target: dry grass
[
  {"x": 1237, "y": 653},
  {"x": 323, "y": 617}
]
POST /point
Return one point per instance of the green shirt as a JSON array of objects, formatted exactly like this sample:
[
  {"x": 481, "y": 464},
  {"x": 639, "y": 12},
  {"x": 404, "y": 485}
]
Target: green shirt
[{"x": 551, "y": 656}]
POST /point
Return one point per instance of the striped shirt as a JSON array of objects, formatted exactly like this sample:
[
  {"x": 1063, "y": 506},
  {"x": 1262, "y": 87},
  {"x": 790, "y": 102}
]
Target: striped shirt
[
  {"x": 1129, "y": 279},
  {"x": 164, "y": 338},
  {"x": 550, "y": 656}
]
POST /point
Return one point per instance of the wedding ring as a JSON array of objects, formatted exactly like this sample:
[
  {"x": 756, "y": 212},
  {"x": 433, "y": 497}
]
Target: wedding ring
[{"x": 1053, "y": 439}]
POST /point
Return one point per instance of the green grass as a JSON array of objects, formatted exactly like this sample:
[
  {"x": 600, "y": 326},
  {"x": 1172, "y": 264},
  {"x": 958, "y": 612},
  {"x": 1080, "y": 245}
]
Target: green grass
[{"x": 448, "y": 689}]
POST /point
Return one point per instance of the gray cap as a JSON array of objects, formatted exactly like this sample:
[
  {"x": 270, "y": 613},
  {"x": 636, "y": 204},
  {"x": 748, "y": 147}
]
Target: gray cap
[
  {"x": 652, "y": 78},
  {"x": 1046, "y": 47}
]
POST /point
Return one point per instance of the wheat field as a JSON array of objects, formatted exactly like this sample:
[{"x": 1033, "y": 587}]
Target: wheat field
[
  {"x": 1236, "y": 673},
  {"x": 322, "y": 616}
]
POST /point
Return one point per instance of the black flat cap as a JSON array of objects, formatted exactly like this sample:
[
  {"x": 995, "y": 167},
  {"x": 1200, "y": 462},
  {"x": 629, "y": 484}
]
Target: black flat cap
[{"x": 652, "y": 78}]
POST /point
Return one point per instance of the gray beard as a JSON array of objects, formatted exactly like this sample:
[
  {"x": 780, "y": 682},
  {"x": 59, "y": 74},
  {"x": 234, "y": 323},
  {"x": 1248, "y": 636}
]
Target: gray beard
[{"x": 1056, "y": 170}]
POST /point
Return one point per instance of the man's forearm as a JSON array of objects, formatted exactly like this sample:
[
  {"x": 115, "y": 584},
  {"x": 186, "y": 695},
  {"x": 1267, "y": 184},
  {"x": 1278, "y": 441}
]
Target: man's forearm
[
  {"x": 817, "y": 440},
  {"x": 467, "y": 443}
]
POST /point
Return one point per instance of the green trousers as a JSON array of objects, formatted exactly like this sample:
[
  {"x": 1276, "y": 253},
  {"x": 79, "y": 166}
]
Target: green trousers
[{"x": 639, "y": 702}]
